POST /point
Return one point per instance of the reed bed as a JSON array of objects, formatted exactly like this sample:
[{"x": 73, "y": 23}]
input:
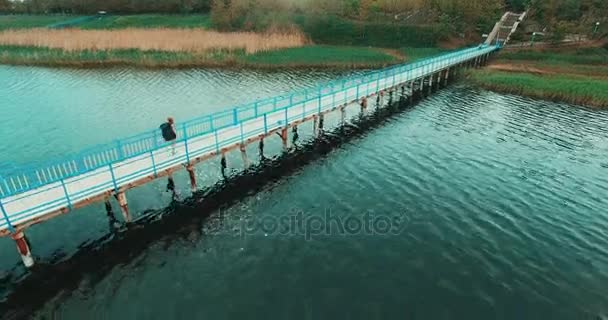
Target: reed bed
[
  {"x": 565, "y": 88},
  {"x": 170, "y": 40},
  {"x": 303, "y": 57}
]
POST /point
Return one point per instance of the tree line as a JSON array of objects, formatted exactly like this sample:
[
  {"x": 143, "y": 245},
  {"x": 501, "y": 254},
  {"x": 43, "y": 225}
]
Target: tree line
[
  {"x": 112, "y": 6},
  {"x": 449, "y": 16}
]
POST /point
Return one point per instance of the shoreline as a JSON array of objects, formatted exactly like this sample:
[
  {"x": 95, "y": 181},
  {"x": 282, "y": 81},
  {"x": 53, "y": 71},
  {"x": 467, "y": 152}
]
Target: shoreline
[
  {"x": 558, "y": 98},
  {"x": 305, "y": 57},
  {"x": 575, "y": 76},
  {"x": 205, "y": 65}
]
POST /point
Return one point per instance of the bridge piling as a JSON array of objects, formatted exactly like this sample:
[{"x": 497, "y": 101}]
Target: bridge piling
[
  {"x": 447, "y": 76},
  {"x": 223, "y": 165},
  {"x": 171, "y": 187},
  {"x": 295, "y": 136},
  {"x": 321, "y": 123},
  {"x": 411, "y": 92},
  {"x": 315, "y": 126},
  {"x": 430, "y": 84},
  {"x": 342, "y": 115},
  {"x": 112, "y": 221},
  {"x": 124, "y": 206},
  {"x": 284, "y": 139},
  {"x": 261, "y": 148},
  {"x": 23, "y": 248},
  {"x": 363, "y": 105},
  {"x": 422, "y": 88},
  {"x": 192, "y": 174},
  {"x": 246, "y": 163}
]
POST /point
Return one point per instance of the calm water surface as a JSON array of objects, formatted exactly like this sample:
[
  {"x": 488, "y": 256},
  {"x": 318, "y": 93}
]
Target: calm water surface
[{"x": 499, "y": 203}]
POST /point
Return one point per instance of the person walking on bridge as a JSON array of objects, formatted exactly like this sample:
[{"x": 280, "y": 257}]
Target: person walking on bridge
[{"x": 169, "y": 133}]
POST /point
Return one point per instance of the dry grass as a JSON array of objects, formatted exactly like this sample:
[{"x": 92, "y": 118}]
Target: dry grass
[{"x": 172, "y": 40}]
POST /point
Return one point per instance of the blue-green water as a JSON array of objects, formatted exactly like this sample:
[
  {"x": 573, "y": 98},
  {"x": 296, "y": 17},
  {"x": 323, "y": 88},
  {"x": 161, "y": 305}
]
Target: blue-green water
[{"x": 496, "y": 207}]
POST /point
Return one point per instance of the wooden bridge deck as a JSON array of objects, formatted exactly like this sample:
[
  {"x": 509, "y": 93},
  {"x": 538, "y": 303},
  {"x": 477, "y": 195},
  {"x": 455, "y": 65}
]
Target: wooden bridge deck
[{"x": 36, "y": 194}]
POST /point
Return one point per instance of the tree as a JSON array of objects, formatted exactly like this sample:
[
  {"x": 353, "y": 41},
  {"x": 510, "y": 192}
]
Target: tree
[{"x": 5, "y": 6}]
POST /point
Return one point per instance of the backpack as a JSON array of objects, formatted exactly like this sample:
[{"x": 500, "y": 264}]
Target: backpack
[{"x": 167, "y": 131}]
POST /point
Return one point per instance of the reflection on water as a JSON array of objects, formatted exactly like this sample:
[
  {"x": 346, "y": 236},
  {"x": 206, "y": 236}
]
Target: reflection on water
[{"x": 504, "y": 199}]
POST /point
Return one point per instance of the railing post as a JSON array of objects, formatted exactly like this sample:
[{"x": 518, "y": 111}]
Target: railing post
[
  {"x": 242, "y": 136},
  {"x": 255, "y": 108},
  {"x": 153, "y": 164},
  {"x": 113, "y": 178},
  {"x": 119, "y": 147},
  {"x": 319, "y": 102},
  {"x": 235, "y": 116},
  {"x": 217, "y": 143},
  {"x": 8, "y": 221},
  {"x": 67, "y": 195},
  {"x": 265, "y": 124},
  {"x": 186, "y": 142}
]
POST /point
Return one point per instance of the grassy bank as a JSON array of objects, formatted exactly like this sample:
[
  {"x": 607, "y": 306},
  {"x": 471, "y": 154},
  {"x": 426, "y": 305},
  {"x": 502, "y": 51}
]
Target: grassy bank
[
  {"x": 566, "y": 88},
  {"x": 157, "y": 40},
  {"x": 30, "y": 21},
  {"x": 106, "y": 22},
  {"x": 307, "y": 56},
  {"x": 148, "y": 21},
  {"x": 578, "y": 76}
]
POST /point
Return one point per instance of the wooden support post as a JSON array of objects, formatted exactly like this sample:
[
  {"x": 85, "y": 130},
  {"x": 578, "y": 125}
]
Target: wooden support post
[
  {"x": 23, "y": 248},
  {"x": 342, "y": 115},
  {"x": 246, "y": 163},
  {"x": 421, "y": 88},
  {"x": 315, "y": 126},
  {"x": 223, "y": 165},
  {"x": 284, "y": 139},
  {"x": 430, "y": 84},
  {"x": 112, "y": 222},
  {"x": 321, "y": 123},
  {"x": 411, "y": 92},
  {"x": 124, "y": 206},
  {"x": 363, "y": 105},
  {"x": 447, "y": 76},
  {"x": 192, "y": 174},
  {"x": 261, "y": 147}
]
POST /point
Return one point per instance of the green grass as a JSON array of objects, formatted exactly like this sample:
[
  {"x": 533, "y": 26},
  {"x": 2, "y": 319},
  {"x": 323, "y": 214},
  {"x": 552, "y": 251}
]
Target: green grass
[
  {"x": 16, "y": 55},
  {"x": 593, "y": 56},
  {"x": 30, "y": 21},
  {"x": 148, "y": 21},
  {"x": 568, "y": 88},
  {"x": 310, "y": 56},
  {"x": 413, "y": 54},
  {"x": 107, "y": 22},
  {"x": 318, "y": 55},
  {"x": 334, "y": 30}
]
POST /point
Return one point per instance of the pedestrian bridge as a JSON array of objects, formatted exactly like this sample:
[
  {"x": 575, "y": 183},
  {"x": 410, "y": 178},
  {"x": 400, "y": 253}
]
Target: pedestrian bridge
[{"x": 30, "y": 195}]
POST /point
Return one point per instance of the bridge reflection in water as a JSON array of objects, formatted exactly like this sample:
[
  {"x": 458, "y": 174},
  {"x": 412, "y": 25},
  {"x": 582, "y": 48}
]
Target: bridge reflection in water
[{"x": 30, "y": 195}]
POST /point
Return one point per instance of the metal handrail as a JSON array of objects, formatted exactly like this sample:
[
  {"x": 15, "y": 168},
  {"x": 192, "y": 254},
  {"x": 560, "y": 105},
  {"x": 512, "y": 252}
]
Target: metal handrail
[{"x": 29, "y": 177}]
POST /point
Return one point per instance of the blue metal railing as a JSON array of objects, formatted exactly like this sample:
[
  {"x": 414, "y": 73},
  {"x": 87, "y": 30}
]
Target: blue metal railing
[{"x": 25, "y": 178}]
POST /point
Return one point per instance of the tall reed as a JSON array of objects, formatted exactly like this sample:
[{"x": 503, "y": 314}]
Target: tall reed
[{"x": 173, "y": 40}]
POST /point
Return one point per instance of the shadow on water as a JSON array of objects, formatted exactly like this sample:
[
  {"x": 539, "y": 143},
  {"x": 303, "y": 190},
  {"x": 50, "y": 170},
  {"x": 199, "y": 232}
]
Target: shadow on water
[{"x": 97, "y": 258}]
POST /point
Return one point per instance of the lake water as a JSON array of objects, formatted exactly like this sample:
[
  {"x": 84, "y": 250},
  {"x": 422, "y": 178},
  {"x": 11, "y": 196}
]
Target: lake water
[{"x": 469, "y": 205}]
